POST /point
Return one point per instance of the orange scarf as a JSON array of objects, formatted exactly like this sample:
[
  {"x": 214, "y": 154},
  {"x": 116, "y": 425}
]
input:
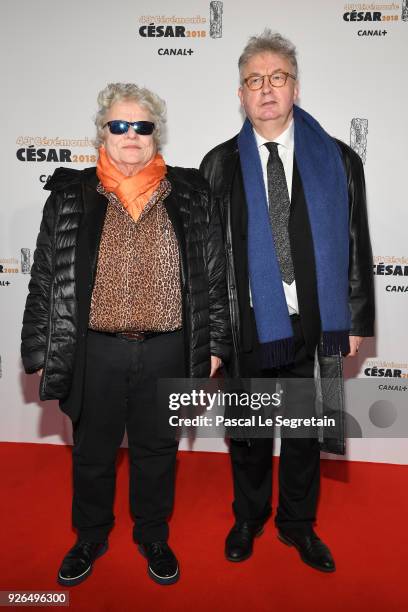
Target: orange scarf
[{"x": 134, "y": 192}]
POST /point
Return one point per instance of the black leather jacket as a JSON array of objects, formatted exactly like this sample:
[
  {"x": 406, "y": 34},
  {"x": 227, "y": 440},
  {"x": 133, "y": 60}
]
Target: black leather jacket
[
  {"x": 219, "y": 167},
  {"x": 57, "y": 309}
]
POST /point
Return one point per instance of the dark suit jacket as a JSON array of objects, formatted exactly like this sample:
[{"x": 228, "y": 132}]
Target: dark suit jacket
[{"x": 221, "y": 167}]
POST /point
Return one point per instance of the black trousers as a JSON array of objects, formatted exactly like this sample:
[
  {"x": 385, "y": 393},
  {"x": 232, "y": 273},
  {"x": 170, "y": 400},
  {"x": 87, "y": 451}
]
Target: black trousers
[
  {"x": 299, "y": 467},
  {"x": 120, "y": 394}
]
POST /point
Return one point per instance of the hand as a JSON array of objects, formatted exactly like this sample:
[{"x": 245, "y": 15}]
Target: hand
[
  {"x": 39, "y": 372},
  {"x": 216, "y": 363},
  {"x": 355, "y": 343}
]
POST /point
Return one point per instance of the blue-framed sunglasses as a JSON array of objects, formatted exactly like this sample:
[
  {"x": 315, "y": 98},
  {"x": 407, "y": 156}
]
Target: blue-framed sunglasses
[{"x": 118, "y": 126}]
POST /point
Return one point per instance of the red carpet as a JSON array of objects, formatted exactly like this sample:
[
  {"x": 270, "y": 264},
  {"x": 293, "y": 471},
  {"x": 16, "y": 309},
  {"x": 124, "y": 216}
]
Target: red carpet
[{"x": 362, "y": 516}]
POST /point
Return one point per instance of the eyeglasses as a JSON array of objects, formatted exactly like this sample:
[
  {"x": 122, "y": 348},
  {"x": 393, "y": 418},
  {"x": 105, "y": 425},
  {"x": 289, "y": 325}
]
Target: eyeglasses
[
  {"x": 276, "y": 79},
  {"x": 118, "y": 126}
]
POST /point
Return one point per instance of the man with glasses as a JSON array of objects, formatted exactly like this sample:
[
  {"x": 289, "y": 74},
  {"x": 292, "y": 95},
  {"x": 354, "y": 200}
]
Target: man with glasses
[{"x": 299, "y": 279}]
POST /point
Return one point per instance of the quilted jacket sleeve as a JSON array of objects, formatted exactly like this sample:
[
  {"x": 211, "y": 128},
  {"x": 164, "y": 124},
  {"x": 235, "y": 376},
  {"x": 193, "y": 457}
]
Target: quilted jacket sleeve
[{"x": 37, "y": 309}]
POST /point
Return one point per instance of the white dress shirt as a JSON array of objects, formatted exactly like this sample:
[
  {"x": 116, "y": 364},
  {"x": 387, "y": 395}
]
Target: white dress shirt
[{"x": 286, "y": 149}]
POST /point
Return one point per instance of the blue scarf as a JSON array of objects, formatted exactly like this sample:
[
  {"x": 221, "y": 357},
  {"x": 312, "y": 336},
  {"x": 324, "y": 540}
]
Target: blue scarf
[{"x": 324, "y": 184}]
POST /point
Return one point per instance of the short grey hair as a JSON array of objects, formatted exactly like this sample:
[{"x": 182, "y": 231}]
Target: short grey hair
[
  {"x": 118, "y": 92},
  {"x": 268, "y": 42}
]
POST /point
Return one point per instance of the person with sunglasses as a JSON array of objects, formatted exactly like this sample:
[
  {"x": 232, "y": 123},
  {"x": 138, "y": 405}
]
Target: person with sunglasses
[{"x": 127, "y": 286}]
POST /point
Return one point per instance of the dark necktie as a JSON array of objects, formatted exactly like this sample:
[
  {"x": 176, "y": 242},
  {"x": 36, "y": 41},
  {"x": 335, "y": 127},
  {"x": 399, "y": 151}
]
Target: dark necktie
[{"x": 279, "y": 210}]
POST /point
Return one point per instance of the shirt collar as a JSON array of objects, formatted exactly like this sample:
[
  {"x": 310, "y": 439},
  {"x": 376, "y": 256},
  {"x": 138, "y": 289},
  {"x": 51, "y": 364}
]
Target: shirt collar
[{"x": 286, "y": 139}]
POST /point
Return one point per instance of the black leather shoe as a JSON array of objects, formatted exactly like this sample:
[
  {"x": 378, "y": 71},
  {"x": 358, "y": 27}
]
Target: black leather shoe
[
  {"x": 77, "y": 563},
  {"x": 311, "y": 549},
  {"x": 162, "y": 565},
  {"x": 240, "y": 540}
]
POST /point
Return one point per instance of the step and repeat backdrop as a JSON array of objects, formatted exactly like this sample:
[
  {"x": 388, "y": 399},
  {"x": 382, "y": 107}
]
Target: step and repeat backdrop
[{"x": 56, "y": 57}]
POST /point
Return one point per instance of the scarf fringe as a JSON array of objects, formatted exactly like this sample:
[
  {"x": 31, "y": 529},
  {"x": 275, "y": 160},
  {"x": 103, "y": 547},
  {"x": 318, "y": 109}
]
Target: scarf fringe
[
  {"x": 277, "y": 353},
  {"x": 335, "y": 342}
]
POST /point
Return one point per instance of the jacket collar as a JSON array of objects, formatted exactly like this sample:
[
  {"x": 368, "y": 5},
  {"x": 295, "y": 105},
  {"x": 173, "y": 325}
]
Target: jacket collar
[{"x": 95, "y": 205}]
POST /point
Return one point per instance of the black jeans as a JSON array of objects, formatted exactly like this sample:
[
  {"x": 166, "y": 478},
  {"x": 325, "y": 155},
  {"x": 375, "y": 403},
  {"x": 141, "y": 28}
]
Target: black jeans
[
  {"x": 299, "y": 466},
  {"x": 120, "y": 393}
]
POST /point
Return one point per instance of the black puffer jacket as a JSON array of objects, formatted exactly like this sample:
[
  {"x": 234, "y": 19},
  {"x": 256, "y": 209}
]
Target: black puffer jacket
[{"x": 57, "y": 309}]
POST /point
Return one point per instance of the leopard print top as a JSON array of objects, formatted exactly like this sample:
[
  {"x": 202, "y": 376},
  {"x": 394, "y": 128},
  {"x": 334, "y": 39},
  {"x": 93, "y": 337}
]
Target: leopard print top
[{"x": 137, "y": 284}]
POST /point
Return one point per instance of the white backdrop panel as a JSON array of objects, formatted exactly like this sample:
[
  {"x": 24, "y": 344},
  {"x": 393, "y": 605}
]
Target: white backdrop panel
[{"x": 57, "y": 56}]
